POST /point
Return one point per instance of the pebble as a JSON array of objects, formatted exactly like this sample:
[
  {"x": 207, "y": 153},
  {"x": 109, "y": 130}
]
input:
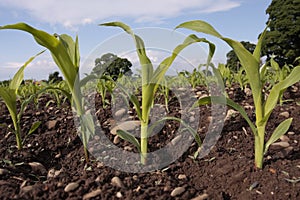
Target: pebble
[
  {"x": 284, "y": 138},
  {"x": 201, "y": 197},
  {"x": 248, "y": 92},
  {"x": 126, "y": 126},
  {"x": 192, "y": 119},
  {"x": 52, "y": 173},
  {"x": 230, "y": 113},
  {"x": 291, "y": 133},
  {"x": 116, "y": 181},
  {"x": 287, "y": 151},
  {"x": 294, "y": 89},
  {"x": 119, "y": 195},
  {"x": 181, "y": 176},
  {"x": 176, "y": 140},
  {"x": 285, "y": 114},
  {"x": 120, "y": 112},
  {"x": 38, "y": 167},
  {"x": 92, "y": 194},
  {"x": 27, "y": 188},
  {"x": 177, "y": 191},
  {"x": 71, "y": 186},
  {"x": 209, "y": 119},
  {"x": 51, "y": 124},
  {"x": 281, "y": 144},
  {"x": 3, "y": 171},
  {"x": 116, "y": 139}
]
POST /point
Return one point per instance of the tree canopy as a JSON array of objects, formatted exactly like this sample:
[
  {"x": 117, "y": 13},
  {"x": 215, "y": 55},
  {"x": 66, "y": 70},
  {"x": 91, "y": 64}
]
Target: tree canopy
[
  {"x": 233, "y": 62},
  {"x": 283, "y": 36},
  {"x": 112, "y": 65}
]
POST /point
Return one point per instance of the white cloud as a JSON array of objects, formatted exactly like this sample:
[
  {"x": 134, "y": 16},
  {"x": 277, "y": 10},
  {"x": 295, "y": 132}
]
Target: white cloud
[{"x": 72, "y": 13}]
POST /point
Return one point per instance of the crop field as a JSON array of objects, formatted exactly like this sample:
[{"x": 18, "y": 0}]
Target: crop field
[{"x": 201, "y": 134}]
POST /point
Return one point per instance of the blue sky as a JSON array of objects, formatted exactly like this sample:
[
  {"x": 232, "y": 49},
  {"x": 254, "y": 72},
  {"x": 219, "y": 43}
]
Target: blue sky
[{"x": 237, "y": 19}]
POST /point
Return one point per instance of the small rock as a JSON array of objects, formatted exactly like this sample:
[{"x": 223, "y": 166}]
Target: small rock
[
  {"x": 116, "y": 181},
  {"x": 126, "y": 126},
  {"x": 294, "y": 89},
  {"x": 51, "y": 124},
  {"x": 92, "y": 194},
  {"x": 230, "y": 113},
  {"x": 128, "y": 148},
  {"x": 3, "y": 171},
  {"x": 181, "y": 176},
  {"x": 209, "y": 119},
  {"x": 52, "y": 173},
  {"x": 38, "y": 167},
  {"x": 281, "y": 144},
  {"x": 176, "y": 140},
  {"x": 27, "y": 188},
  {"x": 285, "y": 114},
  {"x": 284, "y": 138},
  {"x": 248, "y": 92},
  {"x": 201, "y": 197},
  {"x": 192, "y": 119},
  {"x": 116, "y": 139},
  {"x": 287, "y": 151},
  {"x": 177, "y": 191},
  {"x": 291, "y": 133},
  {"x": 120, "y": 112},
  {"x": 71, "y": 186},
  {"x": 119, "y": 195},
  {"x": 60, "y": 184}
]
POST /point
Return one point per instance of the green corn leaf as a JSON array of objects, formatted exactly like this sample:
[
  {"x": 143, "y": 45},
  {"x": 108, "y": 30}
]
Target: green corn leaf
[
  {"x": 275, "y": 92},
  {"x": 198, "y": 25},
  {"x": 71, "y": 47},
  {"x": 55, "y": 46},
  {"x": 147, "y": 67},
  {"x": 166, "y": 63},
  {"x": 257, "y": 50},
  {"x": 250, "y": 63},
  {"x": 19, "y": 76},
  {"x": 189, "y": 128},
  {"x": 130, "y": 138},
  {"x": 87, "y": 126},
  {"x": 34, "y": 127},
  {"x": 10, "y": 99},
  {"x": 280, "y": 130},
  {"x": 229, "y": 102}
]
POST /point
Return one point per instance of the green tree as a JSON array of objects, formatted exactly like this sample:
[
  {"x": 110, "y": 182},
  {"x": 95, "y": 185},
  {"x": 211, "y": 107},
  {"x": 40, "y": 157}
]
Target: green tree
[
  {"x": 54, "y": 77},
  {"x": 283, "y": 37},
  {"x": 112, "y": 65},
  {"x": 233, "y": 62}
]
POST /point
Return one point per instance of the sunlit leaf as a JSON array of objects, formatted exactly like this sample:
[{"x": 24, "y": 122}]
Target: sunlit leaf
[{"x": 280, "y": 130}]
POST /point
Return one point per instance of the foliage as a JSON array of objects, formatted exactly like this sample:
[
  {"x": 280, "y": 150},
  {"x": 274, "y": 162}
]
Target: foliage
[
  {"x": 54, "y": 77},
  {"x": 112, "y": 65},
  {"x": 233, "y": 62},
  {"x": 9, "y": 96},
  {"x": 65, "y": 53},
  {"x": 151, "y": 80},
  {"x": 264, "y": 104},
  {"x": 283, "y": 36}
]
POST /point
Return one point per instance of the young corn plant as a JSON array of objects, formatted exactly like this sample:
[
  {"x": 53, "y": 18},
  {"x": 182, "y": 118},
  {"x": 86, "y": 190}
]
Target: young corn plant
[
  {"x": 150, "y": 82},
  {"x": 65, "y": 53},
  {"x": 264, "y": 104},
  {"x": 10, "y": 96}
]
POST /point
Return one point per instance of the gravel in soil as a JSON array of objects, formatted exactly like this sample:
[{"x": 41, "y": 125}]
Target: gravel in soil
[{"x": 52, "y": 166}]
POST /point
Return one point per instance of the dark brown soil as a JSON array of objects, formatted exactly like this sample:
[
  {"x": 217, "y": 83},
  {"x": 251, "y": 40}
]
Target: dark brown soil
[{"x": 53, "y": 157}]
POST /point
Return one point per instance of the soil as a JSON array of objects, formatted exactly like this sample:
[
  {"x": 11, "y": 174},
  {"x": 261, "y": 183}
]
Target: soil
[{"x": 52, "y": 165}]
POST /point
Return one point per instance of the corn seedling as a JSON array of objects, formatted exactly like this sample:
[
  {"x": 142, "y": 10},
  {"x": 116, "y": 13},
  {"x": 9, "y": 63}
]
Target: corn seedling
[
  {"x": 263, "y": 105},
  {"x": 150, "y": 82},
  {"x": 10, "y": 97},
  {"x": 65, "y": 53}
]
